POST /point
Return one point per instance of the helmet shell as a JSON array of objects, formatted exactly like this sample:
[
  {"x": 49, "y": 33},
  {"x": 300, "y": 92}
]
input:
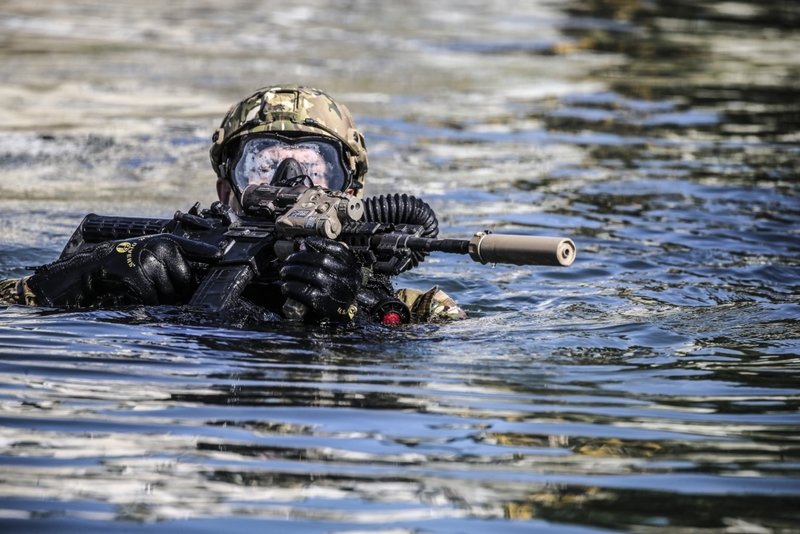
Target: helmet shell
[{"x": 292, "y": 111}]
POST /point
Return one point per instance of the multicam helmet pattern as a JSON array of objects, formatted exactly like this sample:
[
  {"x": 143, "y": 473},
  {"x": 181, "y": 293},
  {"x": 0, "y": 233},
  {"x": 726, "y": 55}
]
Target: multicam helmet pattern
[{"x": 291, "y": 111}]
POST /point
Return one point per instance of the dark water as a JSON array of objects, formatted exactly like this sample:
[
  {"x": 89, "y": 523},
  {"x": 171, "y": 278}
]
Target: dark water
[{"x": 650, "y": 387}]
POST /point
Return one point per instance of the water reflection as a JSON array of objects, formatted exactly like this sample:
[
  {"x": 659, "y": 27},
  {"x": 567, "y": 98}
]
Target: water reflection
[{"x": 296, "y": 426}]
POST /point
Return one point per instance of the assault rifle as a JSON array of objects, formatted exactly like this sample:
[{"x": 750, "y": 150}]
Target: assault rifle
[{"x": 278, "y": 218}]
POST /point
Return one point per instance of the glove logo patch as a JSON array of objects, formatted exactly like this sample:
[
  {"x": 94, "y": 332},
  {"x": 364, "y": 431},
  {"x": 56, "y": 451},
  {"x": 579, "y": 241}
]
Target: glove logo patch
[
  {"x": 127, "y": 247},
  {"x": 350, "y": 312}
]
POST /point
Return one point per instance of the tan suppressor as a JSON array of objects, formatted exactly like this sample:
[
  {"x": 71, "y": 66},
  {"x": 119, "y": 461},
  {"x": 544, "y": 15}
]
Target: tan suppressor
[{"x": 521, "y": 249}]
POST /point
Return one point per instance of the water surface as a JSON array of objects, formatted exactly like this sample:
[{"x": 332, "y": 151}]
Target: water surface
[{"x": 650, "y": 387}]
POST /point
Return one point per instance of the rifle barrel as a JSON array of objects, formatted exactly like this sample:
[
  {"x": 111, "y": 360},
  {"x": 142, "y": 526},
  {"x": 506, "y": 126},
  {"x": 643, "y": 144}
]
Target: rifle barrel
[{"x": 500, "y": 248}]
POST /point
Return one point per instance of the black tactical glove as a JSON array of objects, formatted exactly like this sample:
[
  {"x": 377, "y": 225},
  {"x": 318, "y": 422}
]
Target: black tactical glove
[
  {"x": 324, "y": 276},
  {"x": 147, "y": 270}
]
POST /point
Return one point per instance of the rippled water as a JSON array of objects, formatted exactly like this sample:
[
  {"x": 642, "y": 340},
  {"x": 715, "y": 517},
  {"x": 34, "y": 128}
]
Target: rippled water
[{"x": 650, "y": 387}]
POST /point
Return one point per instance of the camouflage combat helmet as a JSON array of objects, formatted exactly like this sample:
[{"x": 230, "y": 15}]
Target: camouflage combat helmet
[{"x": 296, "y": 112}]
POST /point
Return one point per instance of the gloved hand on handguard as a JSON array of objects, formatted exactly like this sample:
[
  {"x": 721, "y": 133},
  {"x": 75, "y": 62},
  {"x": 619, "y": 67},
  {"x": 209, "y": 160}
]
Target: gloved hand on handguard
[{"x": 325, "y": 277}]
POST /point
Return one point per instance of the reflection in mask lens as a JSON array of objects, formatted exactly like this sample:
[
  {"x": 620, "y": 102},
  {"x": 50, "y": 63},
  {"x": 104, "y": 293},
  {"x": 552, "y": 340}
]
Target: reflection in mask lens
[{"x": 260, "y": 158}]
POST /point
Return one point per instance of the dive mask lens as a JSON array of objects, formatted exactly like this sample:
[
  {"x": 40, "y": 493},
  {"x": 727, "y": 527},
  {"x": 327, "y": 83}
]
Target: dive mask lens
[{"x": 260, "y": 157}]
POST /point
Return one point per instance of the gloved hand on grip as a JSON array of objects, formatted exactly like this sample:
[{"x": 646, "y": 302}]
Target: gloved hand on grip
[
  {"x": 325, "y": 277},
  {"x": 147, "y": 270}
]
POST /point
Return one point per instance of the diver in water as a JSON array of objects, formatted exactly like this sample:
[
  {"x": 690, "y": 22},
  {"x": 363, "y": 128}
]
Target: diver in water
[{"x": 263, "y": 130}]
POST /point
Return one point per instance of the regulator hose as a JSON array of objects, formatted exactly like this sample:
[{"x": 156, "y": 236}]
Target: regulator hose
[{"x": 403, "y": 209}]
